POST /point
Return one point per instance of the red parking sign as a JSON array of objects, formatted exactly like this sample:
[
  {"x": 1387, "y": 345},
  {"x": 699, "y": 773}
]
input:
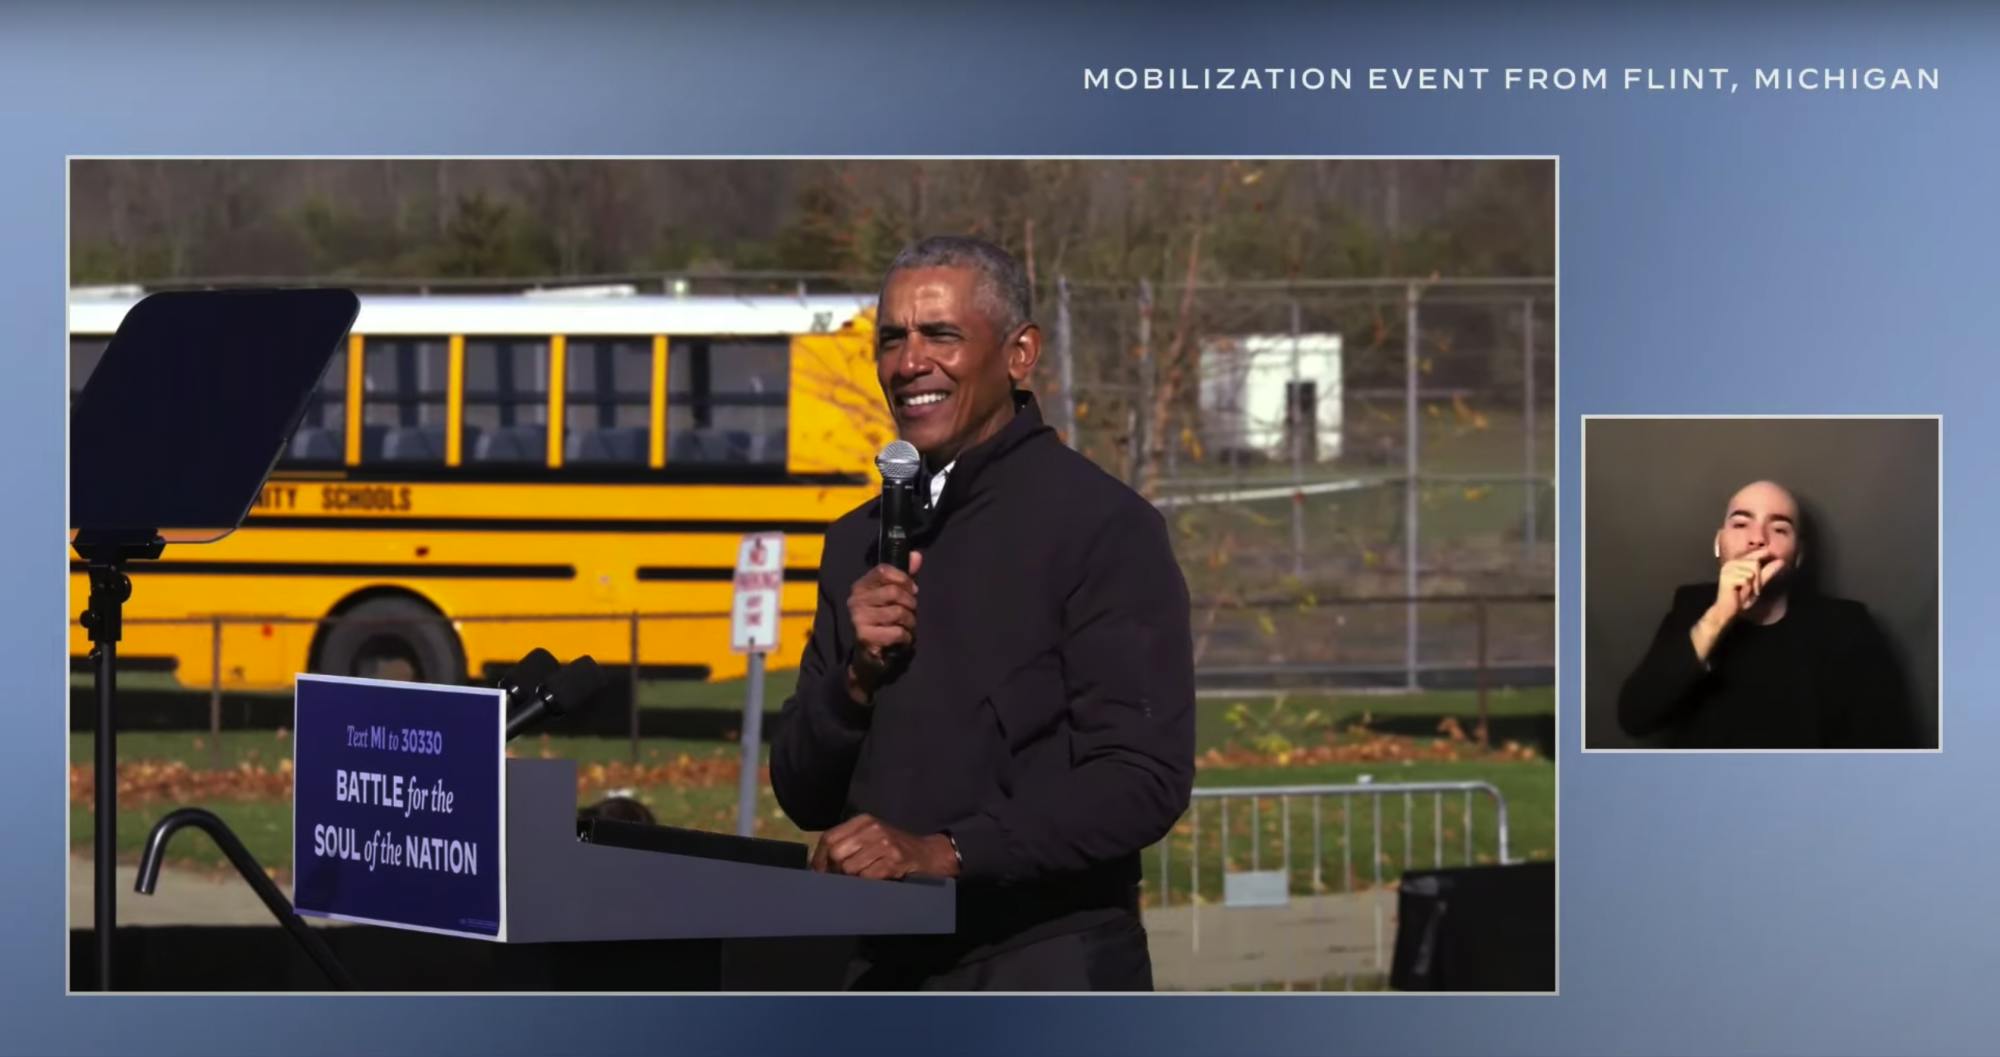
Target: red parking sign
[{"x": 760, "y": 573}]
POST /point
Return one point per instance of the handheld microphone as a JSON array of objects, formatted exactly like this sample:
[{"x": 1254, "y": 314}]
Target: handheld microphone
[
  {"x": 569, "y": 688},
  {"x": 900, "y": 465}
]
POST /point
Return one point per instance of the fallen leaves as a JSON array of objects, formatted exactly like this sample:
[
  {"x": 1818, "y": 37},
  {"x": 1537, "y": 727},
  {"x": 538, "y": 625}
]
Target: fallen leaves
[
  {"x": 681, "y": 772},
  {"x": 1359, "y": 745},
  {"x": 143, "y": 782},
  {"x": 173, "y": 782}
]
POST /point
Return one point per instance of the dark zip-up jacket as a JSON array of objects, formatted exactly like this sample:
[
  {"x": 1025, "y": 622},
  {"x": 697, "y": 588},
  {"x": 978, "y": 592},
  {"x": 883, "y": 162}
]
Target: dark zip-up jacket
[
  {"x": 1046, "y": 716},
  {"x": 1823, "y": 677}
]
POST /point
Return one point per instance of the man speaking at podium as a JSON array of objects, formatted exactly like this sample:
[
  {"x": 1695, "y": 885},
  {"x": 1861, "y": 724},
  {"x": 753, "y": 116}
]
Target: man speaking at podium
[{"x": 1029, "y": 727}]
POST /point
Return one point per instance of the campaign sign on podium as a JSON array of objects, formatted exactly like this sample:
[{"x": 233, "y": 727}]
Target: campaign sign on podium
[{"x": 397, "y": 797}]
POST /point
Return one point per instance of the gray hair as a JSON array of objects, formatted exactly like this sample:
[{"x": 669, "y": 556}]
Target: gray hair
[{"x": 1003, "y": 284}]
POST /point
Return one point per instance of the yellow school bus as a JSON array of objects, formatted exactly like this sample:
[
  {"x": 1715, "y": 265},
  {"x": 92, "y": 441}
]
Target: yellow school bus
[{"x": 478, "y": 475}]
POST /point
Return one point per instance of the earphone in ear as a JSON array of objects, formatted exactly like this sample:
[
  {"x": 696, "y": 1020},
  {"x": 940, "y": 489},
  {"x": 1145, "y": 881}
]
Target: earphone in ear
[{"x": 1718, "y": 548}]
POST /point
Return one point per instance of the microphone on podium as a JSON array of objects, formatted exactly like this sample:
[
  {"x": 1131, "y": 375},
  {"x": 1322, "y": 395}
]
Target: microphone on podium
[
  {"x": 546, "y": 691},
  {"x": 527, "y": 675}
]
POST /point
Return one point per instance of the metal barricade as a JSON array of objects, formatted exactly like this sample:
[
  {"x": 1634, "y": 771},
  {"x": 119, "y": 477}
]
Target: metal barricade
[{"x": 1253, "y": 872}]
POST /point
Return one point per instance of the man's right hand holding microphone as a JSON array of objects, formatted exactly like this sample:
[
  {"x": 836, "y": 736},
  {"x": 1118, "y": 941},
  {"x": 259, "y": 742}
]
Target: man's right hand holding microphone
[{"x": 883, "y": 607}]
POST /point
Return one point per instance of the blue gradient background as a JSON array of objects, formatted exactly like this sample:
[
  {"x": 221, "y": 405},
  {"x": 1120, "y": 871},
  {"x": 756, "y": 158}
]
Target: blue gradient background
[{"x": 1748, "y": 253}]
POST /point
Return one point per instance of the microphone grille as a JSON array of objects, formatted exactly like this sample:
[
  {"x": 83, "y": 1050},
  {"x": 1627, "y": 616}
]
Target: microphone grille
[
  {"x": 537, "y": 666},
  {"x": 576, "y": 682},
  {"x": 899, "y": 461}
]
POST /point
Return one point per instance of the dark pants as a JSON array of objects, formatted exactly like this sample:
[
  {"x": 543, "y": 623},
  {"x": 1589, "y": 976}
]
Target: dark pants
[{"x": 1108, "y": 957}]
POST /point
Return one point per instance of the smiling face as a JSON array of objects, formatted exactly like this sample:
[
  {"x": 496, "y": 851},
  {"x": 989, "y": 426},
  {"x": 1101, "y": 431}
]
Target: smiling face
[
  {"x": 1763, "y": 516},
  {"x": 946, "y": 366}
]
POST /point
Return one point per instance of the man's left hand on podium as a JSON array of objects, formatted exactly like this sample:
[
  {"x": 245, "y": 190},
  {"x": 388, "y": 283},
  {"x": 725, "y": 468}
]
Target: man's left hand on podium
[{"x": 865, "y": 846}]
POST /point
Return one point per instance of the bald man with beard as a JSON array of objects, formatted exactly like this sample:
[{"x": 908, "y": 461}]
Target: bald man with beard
[{"x": 1753, "y": 660}]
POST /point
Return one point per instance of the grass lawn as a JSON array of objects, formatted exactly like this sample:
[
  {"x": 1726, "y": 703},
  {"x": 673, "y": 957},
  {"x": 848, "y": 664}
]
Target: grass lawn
[
  {"x": 1213, "y": 728},
  {"x": 265, "y": 826},
  {"x": 1353, "y": 541},
  {"x": 1350, "y": 844},
  {"x": 1414, "y": 714},
  {"x": 1473, "y": 437},
  {"x": 1303, "y": 719},
  {"x": 264, "y": 748},
  {"x": 1341, "y": 707}
]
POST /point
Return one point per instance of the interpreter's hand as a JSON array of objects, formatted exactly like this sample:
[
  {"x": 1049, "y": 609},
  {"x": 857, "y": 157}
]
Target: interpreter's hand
[
  {"x": 1742, "y": 582},
  {"x": 883, "y": 606},
  {"x": 865, "y": 846}
]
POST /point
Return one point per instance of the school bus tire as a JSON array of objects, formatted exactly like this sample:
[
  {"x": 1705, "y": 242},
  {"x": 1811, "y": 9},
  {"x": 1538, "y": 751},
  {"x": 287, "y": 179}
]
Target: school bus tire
[{"x": 392, "y": 637}]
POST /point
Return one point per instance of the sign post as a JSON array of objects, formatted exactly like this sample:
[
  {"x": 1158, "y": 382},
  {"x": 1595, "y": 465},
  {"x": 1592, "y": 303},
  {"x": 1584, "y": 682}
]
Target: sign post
[{"x": 753, "y": 629}]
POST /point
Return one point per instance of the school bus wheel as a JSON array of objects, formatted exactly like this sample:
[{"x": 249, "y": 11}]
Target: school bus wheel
[{"x": 392, "y": 638}]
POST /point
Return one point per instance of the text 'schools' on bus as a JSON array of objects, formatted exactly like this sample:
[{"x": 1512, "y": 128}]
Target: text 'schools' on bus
[{"x": 478, "y": 475}]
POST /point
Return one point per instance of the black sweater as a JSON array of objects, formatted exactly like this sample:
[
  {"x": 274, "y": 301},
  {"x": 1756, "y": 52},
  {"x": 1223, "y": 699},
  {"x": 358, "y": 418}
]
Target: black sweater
[
  {"x": 1045, "y": 719},
  {"x": 1822, "y": 677}
]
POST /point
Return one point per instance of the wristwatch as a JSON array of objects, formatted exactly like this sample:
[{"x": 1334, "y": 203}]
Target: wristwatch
[{"x": 955, "y": 853}]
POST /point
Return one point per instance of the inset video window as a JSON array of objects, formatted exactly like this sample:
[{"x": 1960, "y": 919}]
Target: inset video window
[{"x": 1761, "y": 583}]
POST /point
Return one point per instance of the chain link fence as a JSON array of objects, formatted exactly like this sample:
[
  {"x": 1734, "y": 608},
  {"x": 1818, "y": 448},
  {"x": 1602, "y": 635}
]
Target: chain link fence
[{"x": 1381, "y": 439}]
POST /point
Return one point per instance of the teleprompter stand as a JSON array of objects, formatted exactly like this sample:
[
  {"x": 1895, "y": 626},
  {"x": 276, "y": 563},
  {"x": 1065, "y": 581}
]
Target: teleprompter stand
[
  {"x": 107, "y": 555},
  {"x": 170, "y": 442}
]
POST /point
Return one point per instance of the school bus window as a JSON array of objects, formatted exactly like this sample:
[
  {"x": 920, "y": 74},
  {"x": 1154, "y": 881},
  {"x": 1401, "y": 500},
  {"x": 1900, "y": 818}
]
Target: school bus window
[
  {"x": 403, "y": 410},
  {"x": 83, "y": 356},
  {"x": 506, "y": 400},
  {"x": 607, "y": 407},
  {"x": 321, "y": 439},
  {"x": 727, "y": 401}
]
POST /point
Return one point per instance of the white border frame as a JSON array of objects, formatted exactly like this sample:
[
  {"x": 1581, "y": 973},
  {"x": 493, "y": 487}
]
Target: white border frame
[
  {"x": 1556, "y": 488},
  {"x": 1583, "y": 564}
]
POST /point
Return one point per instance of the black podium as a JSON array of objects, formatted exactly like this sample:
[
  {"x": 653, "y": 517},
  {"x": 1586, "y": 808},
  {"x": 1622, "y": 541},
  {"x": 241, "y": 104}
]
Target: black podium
[
  {"x": 580, "y": 916},
  {"x": 559, "y": 888},
  {"x": 170, "y": 442}
]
